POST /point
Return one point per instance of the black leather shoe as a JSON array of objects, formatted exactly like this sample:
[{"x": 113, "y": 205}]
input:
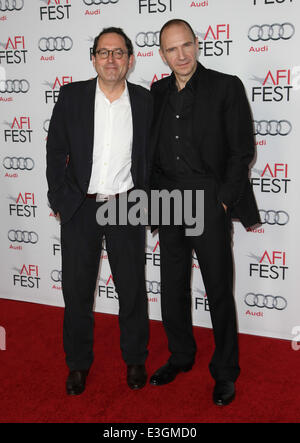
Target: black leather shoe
[
  {"x": 224, "y": 392},
  {"x": 75, "y": 383},
  {"x": 136, "y": 376},
  {"x": 168, "y": 373}
]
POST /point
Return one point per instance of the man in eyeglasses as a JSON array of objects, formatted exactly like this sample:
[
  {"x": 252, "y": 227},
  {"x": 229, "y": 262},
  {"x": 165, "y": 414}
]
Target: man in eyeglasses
[{"x": 97, "y": 150}]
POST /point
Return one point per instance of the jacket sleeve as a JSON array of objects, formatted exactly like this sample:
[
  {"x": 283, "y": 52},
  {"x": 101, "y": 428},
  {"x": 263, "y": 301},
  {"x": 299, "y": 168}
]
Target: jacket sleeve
[
  {"x": 57, "y": 151},
  {"x": 240, "y": 141}
]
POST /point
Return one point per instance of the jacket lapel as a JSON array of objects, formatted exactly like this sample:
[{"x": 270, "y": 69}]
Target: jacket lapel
[
  {"x": 201, "y": 106},
  {"x": 160, "y": 102},
  {"x": 138, "y": 127},
  {"x": 88, "y": 113}
]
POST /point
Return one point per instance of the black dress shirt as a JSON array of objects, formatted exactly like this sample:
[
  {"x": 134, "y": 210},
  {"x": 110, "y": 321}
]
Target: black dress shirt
[{"x": 176, "y": 156}]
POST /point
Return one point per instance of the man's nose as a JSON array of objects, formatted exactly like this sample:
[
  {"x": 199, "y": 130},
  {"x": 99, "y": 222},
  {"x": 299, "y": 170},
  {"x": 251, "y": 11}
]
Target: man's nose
[
  {"x": 110, "y": 56},
  {"x": 181, "y": 53}
]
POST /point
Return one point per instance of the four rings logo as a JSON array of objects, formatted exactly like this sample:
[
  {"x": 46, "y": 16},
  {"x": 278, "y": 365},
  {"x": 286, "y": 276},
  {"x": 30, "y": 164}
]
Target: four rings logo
[
  {"x": 55, "y": 43},
  {"x": 14, "y": 86},
  {"x": 98, "y": 2},
  {"x": 56, "y": 275},
  {"x": 22, "y": 163},
  {"x": 276, "y": 31},
  {"x": 265, "y": 301},
  {"x": 272, "y": 127},
  {"x": 153, "y": 287},
  {"x": 272, "y": 217},
  {"x": 23, "y": 236},
  {"x": 11, "y": 5},
  {"x": 149, "y": 39}
]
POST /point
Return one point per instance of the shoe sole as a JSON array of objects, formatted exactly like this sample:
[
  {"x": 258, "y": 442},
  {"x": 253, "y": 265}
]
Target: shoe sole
[{"x": 224, "y": 402}]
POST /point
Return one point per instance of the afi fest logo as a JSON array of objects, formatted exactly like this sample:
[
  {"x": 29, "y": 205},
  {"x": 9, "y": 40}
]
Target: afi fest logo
[
  {"x": 154, "y": 255},
  {"x": 107, "y": 288},
  {"x": 273, "y": 178},
  {"x": 215, "y": 40},
  {"x": 24, "y": 205},
  {"x": 14, "y": 50},
  {"x": 155, "y": 6},
  {"x": 20, "y": 130},
  {"x": 27, "y": 277},
  {"x": 55, "y": 10},
  {"x": 272, "y": 264},
  {"x": 276, "y": 85},
  {"x": 53, "y": 93}
]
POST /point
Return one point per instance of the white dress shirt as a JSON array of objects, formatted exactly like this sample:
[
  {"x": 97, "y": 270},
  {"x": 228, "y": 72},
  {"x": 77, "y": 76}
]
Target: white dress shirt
[{"x": 112, "y": 145}]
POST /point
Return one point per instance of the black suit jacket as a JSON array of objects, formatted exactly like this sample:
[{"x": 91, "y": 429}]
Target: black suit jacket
[
  {"x": 223, "y": 129},
  {"x": 71, "y": 138}
]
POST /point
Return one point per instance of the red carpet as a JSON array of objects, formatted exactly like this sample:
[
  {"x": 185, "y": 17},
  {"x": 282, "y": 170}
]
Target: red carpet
[{"x": 33, "y": 373}]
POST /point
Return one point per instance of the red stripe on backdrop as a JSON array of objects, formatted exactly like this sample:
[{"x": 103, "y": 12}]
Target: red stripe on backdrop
[{"x": 33, "y": 374}]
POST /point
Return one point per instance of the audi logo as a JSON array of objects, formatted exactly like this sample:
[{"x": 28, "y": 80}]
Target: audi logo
[
  {"x": 276, "y": 31},
  {"x": 98, "y": 2},
  {"x": 147, "y": 39},
  {"x": 272, "y": 217},
  {"x": 272, "y": 127},
  {"x": 21, "y": 163},
  {"x": 11, "y": 5},
  {"x": 153, "y": 286},
  {"x": 16, "y": 86},
  {"x": 23, "y": 236},
  {"x": 265, "y": 301},
  {"x": 55, "y": 43},
  {"x": 56, "y": 275}
]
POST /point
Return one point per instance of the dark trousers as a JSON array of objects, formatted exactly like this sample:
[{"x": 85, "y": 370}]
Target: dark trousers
[
  {"x": 213, "y": 251},
  {"x": 81, "y": 241}
]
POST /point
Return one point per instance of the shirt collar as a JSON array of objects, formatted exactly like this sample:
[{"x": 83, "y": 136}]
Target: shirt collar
[{"x": 124, "y": 95}]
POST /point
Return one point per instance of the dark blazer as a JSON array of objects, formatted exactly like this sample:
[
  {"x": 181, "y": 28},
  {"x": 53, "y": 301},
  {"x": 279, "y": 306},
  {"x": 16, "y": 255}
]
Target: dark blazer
[
  {"x": 223, "y": 130},
  {"x": 70, "y": 144}
]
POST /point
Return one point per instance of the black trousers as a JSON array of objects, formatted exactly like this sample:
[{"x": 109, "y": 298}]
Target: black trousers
[
  {"x": 214, "y": 254},
  {"x": 81, "y": 241}
]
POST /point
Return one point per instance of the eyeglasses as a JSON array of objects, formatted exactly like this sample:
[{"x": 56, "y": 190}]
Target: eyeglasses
[{"x": 116, "y": 53}]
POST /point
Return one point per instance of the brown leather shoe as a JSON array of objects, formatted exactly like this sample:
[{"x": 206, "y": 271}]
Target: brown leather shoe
[
  {"x": 75, "y": 383},
  {"x": 136, "y": 376}
]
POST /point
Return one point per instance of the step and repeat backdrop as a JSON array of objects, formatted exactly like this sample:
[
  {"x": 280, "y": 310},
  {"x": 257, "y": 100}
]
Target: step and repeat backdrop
[{"x": 46, "y": 44}]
